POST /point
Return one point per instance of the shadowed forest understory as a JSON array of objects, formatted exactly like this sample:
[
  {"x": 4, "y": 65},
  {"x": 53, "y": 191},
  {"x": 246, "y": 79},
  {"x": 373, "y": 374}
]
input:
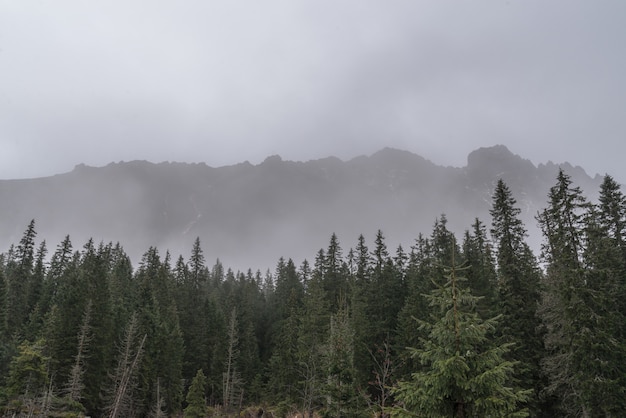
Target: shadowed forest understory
[{"x": 470, "y": 326}]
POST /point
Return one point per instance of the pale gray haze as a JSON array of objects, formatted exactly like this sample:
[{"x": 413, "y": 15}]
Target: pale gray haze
[{"x": 226, "y": 81}]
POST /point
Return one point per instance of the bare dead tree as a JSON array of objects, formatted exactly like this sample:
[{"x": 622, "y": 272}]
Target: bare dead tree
[
  {"x": 124, "y": 378},
  {"x": 231, "y": 379},
  {"x": 383, "y": 370},
  {"x": 157, "y": 411},
  {"x": 75, "y": 384}
]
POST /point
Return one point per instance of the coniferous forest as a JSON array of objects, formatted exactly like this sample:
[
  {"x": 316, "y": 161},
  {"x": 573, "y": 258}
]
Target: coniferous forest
[{"x": 476, "y": 325}]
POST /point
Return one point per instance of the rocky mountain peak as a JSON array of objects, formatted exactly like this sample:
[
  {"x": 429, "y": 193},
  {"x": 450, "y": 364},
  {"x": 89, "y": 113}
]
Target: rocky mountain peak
[{"x": 486, "y": 164}]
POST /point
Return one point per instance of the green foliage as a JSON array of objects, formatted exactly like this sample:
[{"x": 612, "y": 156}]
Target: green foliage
[
  {"x": 28, "y": 372},
  {"x": 581, "y": 307},
  {"x": 19, "y": 271},
  {"x": 463, "y": 373},
  {"x": 196, "y": 401},
  {"x": 329, "y": 338},
  {"x": 519, "y": 288},
  {"x": 340, "y": 390}
]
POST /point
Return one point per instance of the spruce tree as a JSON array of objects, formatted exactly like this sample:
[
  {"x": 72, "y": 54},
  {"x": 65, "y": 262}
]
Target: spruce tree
[
  {"x": 312, "y": 336},
  {"x": 340, "y": 390},
  {"x": 481, "y": 272},
  {"x": 28, "y": 381},
  {"x": 335, "y": 274},
  {"x": 158, "y": 318},
  {"x": 385, "y": 294},
  {"x": 519, "y": 289},
  {"x": 562, "y": 224},
  {"x": 19, "y": 273},
  {"x": 284, "y": 370},
  {"x": 464, "y": 372},
  {"x": 599, "y": 341},
  {"x": 196, "y": 399},
  {"x": 611, "y": 212},
  {"x": 3, "y": 306}
]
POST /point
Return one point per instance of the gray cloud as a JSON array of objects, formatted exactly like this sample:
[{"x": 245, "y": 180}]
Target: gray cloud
[{"x": 223, "y": 82}]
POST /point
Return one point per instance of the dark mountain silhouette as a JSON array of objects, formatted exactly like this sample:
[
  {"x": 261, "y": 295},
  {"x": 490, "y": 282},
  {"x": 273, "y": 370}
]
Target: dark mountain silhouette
[{"x": 250, "y": 215}]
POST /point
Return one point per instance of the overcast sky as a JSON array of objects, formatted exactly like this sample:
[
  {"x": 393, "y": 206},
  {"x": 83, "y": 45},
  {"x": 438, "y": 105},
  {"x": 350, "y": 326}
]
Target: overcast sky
[{"x": 226, "y": 81}]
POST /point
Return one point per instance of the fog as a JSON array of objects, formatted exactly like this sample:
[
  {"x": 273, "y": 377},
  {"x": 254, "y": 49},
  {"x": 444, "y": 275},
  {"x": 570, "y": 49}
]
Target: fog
[
  {"x": 223, "y": 82},
  {"x": 249, "y": 216}
]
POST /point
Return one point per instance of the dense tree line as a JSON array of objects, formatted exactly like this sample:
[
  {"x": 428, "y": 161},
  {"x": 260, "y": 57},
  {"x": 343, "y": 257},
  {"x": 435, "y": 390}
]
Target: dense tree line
[{"x": 464, "y": 328}]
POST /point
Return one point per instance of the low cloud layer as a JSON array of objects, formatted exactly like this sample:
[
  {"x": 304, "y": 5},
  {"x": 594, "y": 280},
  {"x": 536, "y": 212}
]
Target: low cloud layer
[{"x": 222, "y": 82}]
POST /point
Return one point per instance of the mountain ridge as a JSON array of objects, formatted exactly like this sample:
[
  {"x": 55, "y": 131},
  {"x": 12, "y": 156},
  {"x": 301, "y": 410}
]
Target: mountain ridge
[{"x": 250, "y": 215}]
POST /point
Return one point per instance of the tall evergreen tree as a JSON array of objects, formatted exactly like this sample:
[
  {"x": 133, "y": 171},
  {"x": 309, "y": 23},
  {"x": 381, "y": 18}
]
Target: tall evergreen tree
[
  {"x": 93, "y": 279},
  {"x": 577, "y": 307},
  {"x": 158, "y": 319},
  {"x": 335, "y": 273},
  {"x": 464, "y": 373},
  {"x": 231, "y": 383},
  {"x": 19, "y": 273},
  {"x": 599, "y": 354},
  {"x": 3, "y": 306},
  {"x": 519, "y": 289},
  {"x": 342, "y": 396},
  {"x": 385, "y": 293},
  {"x": 424, "y": 269},
  {"x": 611, "y": 213},
  {"x": 193, "y": 306},
  {"x": 28, "y": 377},
  {"x": 481, "y": 272},
  {"x": 284, "y": 372},
  {"x": 196, "y": 398}
]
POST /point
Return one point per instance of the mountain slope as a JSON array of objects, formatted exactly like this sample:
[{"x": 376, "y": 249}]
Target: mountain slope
[{"x": 249, "y": 215}]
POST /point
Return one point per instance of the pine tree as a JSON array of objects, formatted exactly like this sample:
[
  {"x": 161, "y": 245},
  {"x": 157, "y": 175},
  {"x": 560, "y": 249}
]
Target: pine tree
[
  {"x": 599, "y": 342},
  {"x": 284, "y": 370},
  {"x": 3, "y": 306},
  {"x": 419, "y": 273},
  {"x": 312, "y": 336},
  {"x": 611, "y": 212},
  {"x": 424, "y": 269},
  {"x": 464, "y": 373},
  {"x": 342, "y": 397},
  {"x": 76, "y": 383},
  {"x": 562, "y": 224},
  {"x": 519, "y": 288},
  {"x": 121, "y": 400},
  {"x": 62, "y": 321},
  {"x": 19, "y": 273},
  {"x": 192, "y": 301},
  {"x": 196, "y": 399},
  {"x": 163, "y": 350},
  {"x": 232, "y": 383},
  {"x": 29, "y": 388},
  {"x": 385, "y": 293},
  {"x": 335, "y": 273},
  {"x": 358, "y": 298},
  {"x": 481, "y": 272}
]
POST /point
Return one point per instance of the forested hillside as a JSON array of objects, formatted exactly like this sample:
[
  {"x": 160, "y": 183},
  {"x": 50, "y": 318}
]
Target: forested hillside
[
  {"x": 294, "y": 206},
  {"x": 462, "y": 325}
]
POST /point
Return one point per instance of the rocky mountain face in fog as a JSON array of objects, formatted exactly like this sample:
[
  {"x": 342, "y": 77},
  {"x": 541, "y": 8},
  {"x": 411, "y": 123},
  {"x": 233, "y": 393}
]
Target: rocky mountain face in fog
[{"x": 250, "y": 215}]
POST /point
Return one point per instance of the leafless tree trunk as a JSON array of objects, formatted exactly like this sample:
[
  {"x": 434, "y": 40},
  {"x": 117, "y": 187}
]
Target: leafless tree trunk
[
  {"x": 382, "y": 376},
  {"x": 158, "y": 411},
  {"x": 75, "y": 385},
  {"x": 231, "y": 380},
  {"x": 125, "y": 372}
]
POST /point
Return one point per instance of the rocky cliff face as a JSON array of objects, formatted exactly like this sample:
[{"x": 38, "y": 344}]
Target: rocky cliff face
[{"x": 249, "y": 215}]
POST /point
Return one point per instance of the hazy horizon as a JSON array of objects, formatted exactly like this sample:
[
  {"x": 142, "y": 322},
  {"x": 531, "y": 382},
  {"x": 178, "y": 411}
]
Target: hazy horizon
[{"x": 225, "y": 82}]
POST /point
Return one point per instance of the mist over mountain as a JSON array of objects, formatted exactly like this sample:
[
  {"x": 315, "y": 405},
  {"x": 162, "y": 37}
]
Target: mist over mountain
[{"x": 250, "y": 215}]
